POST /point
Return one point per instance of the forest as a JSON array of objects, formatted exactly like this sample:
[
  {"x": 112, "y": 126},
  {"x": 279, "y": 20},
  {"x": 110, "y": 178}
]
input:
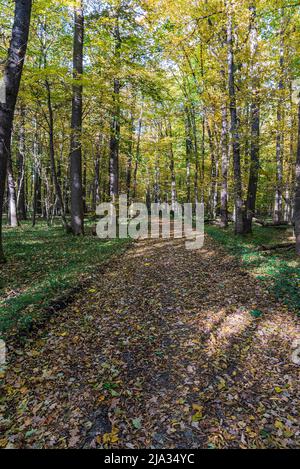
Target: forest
[{"x": 142, "y": 344}]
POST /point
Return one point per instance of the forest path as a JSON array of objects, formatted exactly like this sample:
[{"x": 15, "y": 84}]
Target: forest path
[{"x": 160, "y": 352}]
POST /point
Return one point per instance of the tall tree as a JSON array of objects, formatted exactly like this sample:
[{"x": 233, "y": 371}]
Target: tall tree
[
  {"x": 235, "y": 135},
  {"x": 12, "y": 195},
  {"x": 77, "y": 215},
  {"x": 116, "y": 114},
  {"x": 224, "y": 161},
  {"x": 12, "y": 78},
  {"x": 21, "y": 196},
  {"x": 297, "y": 195},
  {"x": 255, "y": 123},
  {"x": 278, "y": 212},
  {"x": 54, "y": 172}
]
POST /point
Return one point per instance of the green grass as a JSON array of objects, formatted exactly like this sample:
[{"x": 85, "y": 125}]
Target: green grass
[
  {"x": 279, "y": 270},
  {"x": 44, "y": 264}
]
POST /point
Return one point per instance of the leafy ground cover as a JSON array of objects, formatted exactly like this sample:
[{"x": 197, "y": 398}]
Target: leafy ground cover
[
  {"x": 279, "y": 270},
  {"x": 44, "y": 263},
  {"x": 167, "y": 348}
]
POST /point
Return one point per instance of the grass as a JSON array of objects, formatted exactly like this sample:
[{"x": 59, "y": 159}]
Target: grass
[
  {"x": 44, "y": 264},
  {"x": 279, "y": 270}
]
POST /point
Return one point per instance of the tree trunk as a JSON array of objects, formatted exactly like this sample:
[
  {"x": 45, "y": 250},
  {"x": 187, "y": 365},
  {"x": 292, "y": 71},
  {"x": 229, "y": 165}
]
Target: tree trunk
[
  {"x": 129, "y": 156},
  {"x": 189, "y": 152},
  {"x": 196, "y": 152},
  {"x": 137, "y": 155},
  {"x": 213, "y": 174},
  {"x": 96, "y": 186},
  {"x": 239, "y": 226},
  {"x": 278, "y": 212},
  {"x": 77, "y": 215},
  {"x": 224, "y": 161},
  {"x": 115, "y": 123},
  {"x": 12, "y": 78},
  {"x": 36, "y": 176},
  {"x": 255, "y": 125},
  {"x": 21, "y": 196},
  {"x": 297, "y": 195},
  {"x": 54, "y": 174},
  {"x": 12, "y": 195},
  {"x": 172, "y": 168}
]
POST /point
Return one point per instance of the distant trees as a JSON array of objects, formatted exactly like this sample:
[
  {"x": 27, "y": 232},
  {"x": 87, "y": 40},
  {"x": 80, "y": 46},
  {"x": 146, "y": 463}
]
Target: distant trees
[
  {"x": 12, "y": 78},
  {"x": 153, "y": 108}
]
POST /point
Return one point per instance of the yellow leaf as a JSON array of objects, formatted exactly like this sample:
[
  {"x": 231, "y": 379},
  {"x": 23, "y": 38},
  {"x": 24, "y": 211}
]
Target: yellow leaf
[
  {"x": 106, "y": 438},
  {"x": 197, "y": 407},
  {"x": 278, "y": 389},
  {"x": 3, "y": 442},
  {"x": 114, "y": 439},
  {"x": 222, "y": 384},
  {"x": 279, "y": 424}
]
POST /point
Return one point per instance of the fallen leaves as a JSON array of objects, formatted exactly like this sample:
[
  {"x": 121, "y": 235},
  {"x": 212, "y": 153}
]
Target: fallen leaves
[{"x": 155, "y": 354}]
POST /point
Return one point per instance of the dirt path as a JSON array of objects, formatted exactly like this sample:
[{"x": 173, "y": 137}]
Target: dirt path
[{"x": 160, "y": 352}]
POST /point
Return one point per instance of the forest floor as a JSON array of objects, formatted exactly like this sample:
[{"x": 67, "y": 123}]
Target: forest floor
[
  {"x": 44, "y": 267},
  {"x": 167, "y": 348}
]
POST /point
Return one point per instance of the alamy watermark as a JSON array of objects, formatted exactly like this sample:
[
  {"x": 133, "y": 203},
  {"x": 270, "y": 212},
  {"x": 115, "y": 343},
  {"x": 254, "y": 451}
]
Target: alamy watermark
[{"x": 161, "y": 220}]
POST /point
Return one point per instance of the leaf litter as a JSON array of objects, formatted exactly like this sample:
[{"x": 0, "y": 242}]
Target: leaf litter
[{"x": 165, "y": 349}]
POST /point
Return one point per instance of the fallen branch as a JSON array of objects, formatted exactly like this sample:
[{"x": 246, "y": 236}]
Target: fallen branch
[
  {"x": 274, "y": 247},
  {"x": 281, "y": 225}
]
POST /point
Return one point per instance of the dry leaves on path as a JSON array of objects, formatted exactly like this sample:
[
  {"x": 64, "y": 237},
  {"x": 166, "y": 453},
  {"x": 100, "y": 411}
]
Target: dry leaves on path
[{"x": 165, "y": 349}]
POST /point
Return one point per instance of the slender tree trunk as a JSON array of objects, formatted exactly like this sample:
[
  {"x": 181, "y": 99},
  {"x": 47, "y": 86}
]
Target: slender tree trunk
[
  {"x": 290, "y": 184},
  {"x": 278, "y": 208},
  {"x": 172, "y": 168},
  {"x": 213, "y": 174},
  {"x": 189, "y": 152},
  {"x": 21, "y": 196},
  {"x": 137, "y": 155},
  {"x": 12, "y": 195},
  {"x": 239, "y": 226},
  {"x": 54, "y": 174},
  {"x": 36, "y": 175},
  {"x": 84, "y": 186},
  {"x": 157, "y": 191},
  {"x": 77, "y": 215},
  {"x": 255, "y": 125},
  {"x": 297, "y": 195},
  {"x": 129, "y": 157},
  {"x": 114, "y": 145},
  {"x": 203, "y": 156},
  {"x": 12, "y": 78},
  {"x": 115, "y": 122},
  {"x": 196, "y": 152},
  {"x": 96, "y": 187},
  {"x": 224, "y": 161}
]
